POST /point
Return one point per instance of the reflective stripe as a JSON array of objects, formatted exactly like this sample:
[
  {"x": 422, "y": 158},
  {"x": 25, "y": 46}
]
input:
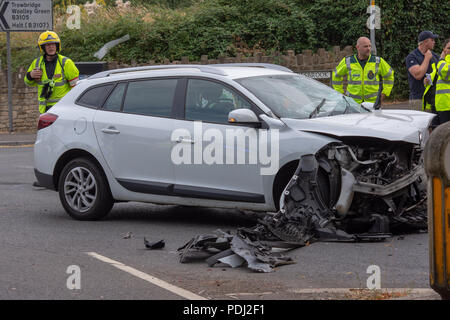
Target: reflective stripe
[
  {"x": 371, "y": 95},
  {"x": 353, "y": 96},
  {"x": 60, "y": 83},
  {"x": 443, "y": 81},
  {"x": 388, "y": 82},
  {"x": 440, "y": 69},
  {"x": 377, "y": 65},
  {"x": 37, "y": 62},
  {"x": 443, "y": 91},
  {"x": 337, "y": 83},
  {"x": 354, "y": 82},
  {"x": 64, "y": 61},
  {"x": 45, "y": 102},
  {"x": 62, "y": 67},
  {"x": 388, "y": 74},
  {"x": 349, "y": 68},
  {"x": 73, "y": 82},
  {"x": 371, "y": 83}
]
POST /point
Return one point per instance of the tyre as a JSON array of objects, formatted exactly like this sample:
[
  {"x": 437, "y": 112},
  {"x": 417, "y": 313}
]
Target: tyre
[{"x": 84, "y": 191}]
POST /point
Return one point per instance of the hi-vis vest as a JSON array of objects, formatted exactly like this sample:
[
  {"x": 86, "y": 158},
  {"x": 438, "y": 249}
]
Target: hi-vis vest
[
  {"x": 429, "y": 95},
  {"x": 443, "y": 85},
  {"x": 65, "y": 77},
  {"x": 363, "y": 84}
]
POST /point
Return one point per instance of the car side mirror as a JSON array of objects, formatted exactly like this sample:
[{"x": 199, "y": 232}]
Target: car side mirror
[
  {"x": 243, "y": 116},
  {"x": 368, "y": 105}
]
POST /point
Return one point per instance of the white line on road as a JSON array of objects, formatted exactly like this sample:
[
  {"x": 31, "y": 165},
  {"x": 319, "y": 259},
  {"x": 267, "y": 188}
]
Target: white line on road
[
  {"x": 149, "y": 278},
  {"x": 347, "y": 290}
]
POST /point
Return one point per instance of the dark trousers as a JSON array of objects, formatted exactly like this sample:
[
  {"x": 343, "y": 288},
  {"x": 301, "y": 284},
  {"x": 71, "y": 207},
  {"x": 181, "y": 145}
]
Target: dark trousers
[{"x": 444, "y": 116}]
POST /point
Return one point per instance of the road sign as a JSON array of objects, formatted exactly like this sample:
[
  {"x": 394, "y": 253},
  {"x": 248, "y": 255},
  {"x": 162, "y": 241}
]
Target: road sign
[{"x": 26, "y": 15}]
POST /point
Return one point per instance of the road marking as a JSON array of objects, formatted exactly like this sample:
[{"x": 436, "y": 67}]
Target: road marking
[
  {"x": 348, "y": 290},
  {"x": 149, "y": 278}
]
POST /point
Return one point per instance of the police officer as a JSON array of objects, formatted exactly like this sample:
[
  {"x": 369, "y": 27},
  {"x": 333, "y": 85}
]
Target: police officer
[
  {"x": 440, "y": 78},
  {"x": 365, "y": 72},
  {"x": 52, "y": 73}
]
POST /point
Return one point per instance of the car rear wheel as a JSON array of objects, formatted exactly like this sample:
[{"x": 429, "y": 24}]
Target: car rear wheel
[{"x": 84, "y": 191}]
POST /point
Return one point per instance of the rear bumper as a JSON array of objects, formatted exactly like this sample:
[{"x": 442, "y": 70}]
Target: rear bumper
[{"x": 45, "y": 180}]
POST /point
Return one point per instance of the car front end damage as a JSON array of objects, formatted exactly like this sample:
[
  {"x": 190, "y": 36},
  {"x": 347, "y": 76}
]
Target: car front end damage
[{"x": 357, "y": 190}]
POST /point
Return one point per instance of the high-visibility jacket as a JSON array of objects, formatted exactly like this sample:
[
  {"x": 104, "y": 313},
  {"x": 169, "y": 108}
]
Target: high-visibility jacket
[
  {"x": 363, "y": 84},
  {"x": 428, "y": 98},
  {"x": 442, "y": 99},
  {"x": 64, "y": 78}
]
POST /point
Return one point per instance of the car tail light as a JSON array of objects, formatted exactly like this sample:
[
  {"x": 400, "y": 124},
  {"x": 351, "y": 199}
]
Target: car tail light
[{"x": 46, "y": 119}]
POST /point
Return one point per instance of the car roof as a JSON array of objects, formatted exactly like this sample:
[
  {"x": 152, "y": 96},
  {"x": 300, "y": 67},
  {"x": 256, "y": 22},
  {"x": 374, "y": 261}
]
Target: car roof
[{"x": 232, "y": 71}]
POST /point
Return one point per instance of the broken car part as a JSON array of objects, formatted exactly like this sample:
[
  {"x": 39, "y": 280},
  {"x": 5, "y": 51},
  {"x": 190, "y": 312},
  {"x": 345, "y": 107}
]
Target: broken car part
[{"x": 154, "y": 245}]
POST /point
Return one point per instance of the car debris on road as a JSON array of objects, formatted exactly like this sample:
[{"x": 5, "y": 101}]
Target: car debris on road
[
  {"x": 304, "y": 217},
  {"x": 154, "y": 245}
]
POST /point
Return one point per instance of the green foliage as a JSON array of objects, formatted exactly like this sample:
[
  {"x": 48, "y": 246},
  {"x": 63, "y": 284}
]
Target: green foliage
[
  {"x": 171, "y": 29},
  {"x": 401, "y": 22}
]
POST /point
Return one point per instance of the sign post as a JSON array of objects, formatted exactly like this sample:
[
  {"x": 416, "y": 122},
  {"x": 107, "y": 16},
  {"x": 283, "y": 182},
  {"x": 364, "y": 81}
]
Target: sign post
[{"x": 23, "y": 16}]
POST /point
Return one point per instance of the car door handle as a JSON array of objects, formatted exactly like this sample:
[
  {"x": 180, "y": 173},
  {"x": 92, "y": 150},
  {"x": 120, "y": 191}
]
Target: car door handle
[
  {"x": 110, "y": 130},
  {"x": 186, "y": 140}
]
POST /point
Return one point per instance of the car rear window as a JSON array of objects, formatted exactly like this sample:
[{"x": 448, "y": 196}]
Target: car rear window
[
  {"x": 150, "y": 97},
  {"x": 95, "y": 97}
]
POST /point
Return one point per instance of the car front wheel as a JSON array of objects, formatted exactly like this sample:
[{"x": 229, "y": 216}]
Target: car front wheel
[{"x": 84, "y": 191}]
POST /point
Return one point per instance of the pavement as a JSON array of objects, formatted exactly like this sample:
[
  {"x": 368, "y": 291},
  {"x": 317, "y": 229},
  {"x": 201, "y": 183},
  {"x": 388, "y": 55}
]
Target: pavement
[{"x": 17, "y": 139}]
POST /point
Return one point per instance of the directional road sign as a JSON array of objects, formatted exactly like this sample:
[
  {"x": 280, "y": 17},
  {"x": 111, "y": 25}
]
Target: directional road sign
[{"x": 26, "y": 15}]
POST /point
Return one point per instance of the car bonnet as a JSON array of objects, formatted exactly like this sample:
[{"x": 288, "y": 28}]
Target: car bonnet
[{"x": 392, "y": 125}]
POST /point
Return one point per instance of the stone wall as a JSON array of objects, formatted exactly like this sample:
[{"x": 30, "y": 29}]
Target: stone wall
[
  {"x": 25, "y": 107},
  {"x": 25, "y": 111}
]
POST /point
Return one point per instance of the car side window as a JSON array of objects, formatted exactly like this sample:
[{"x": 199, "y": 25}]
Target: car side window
[
  {"x": 150, "y": 97},
  {"x": 211, "y": 101},
  {"x": 95, "y": 97},
  {"x": 114, "y": 101}
]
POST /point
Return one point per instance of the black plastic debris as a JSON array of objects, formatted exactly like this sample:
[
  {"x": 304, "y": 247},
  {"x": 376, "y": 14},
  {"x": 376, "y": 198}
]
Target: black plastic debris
[
  {"x": 154, "y": 245},
  {"x": 234, "y": 251}
]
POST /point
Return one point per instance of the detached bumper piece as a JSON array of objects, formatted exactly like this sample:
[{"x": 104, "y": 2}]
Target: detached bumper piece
[{"x": 305, "y": 217}]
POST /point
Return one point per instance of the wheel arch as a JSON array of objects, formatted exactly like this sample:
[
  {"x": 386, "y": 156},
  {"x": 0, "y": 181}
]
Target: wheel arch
[{"x": 68, "y": 156}]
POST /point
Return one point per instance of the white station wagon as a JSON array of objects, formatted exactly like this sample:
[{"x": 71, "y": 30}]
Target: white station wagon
[{"x": 227, "y": 136}]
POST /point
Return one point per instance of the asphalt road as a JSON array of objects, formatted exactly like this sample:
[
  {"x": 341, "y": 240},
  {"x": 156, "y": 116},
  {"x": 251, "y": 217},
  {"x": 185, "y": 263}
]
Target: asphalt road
[{"x": 39, "y": 242}]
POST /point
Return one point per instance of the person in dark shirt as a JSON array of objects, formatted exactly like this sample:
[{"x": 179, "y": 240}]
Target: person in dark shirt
[{"x": 418, "y": 63}]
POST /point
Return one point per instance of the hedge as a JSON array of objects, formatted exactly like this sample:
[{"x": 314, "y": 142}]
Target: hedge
[{"x": 170, "y": 29}]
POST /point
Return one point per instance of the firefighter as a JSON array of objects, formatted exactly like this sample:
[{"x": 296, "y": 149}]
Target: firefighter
[
  {"x": 52, "y": 73},
  {"x": 365, "y": 72}
]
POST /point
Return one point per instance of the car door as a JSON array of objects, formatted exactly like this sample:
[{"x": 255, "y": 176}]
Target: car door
[
  {"x": 208, "y": 164},
  {"x": 133, "y": 130}
]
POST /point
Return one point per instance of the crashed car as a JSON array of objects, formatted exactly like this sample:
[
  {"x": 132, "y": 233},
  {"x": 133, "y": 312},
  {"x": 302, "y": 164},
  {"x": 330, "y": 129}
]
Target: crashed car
[{"x": 160, "y": 134}]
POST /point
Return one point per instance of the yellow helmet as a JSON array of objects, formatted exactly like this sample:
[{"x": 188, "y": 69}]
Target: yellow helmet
[{"x": 49, "y": 37}]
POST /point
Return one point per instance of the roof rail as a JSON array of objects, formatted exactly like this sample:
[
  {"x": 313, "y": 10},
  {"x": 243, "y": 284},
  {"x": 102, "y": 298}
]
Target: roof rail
[
  {"x": 203, "y": 68},
  {"x": 257, "y": 65}
]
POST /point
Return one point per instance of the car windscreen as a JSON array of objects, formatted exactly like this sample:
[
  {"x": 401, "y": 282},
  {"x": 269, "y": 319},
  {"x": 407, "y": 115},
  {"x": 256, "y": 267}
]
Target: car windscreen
[{"x": 299, "y": 97}]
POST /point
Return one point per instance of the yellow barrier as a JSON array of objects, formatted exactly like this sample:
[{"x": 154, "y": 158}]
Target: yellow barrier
[{"x": 437, "y": 167}]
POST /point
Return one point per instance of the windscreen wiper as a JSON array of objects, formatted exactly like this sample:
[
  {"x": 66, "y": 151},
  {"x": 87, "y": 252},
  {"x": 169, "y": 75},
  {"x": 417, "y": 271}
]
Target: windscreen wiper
[{"x": 316, "y": 109}]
